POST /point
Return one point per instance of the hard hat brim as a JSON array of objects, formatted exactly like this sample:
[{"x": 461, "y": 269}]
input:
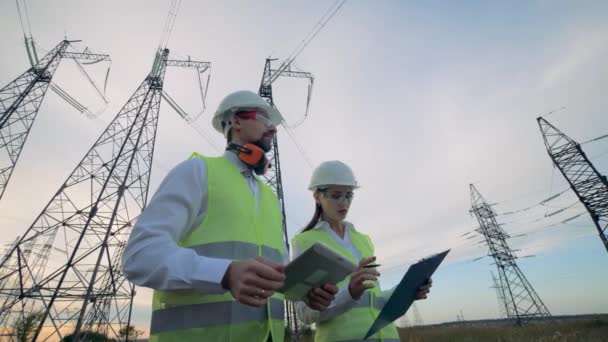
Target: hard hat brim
[{"x": 315, "y": 187}]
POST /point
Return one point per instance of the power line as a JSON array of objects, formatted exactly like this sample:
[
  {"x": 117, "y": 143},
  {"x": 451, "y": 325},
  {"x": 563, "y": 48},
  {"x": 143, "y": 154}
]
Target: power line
[
  {"x": 172, "y": 25},
  {"x": 596, "y": 139},
  {"x": 545, "y": 216},
  {"x": 600, "y": 155},
  {"x": 541, "y": 203},
  {"x": 164, "y": 30},
  {"x": 86, "y": 75},
  {"x": 565, "y": 222},
  {"x": 203, "y": 134},
  {"x": 169, "y": 23},
  {"x": 329, "y": 14},
  {"x": 554, "y": 111},
  {"x": 298, "y": 146},
  {"x": 27, "y": 17},
  {"x": 318, "y": 27},
  {"x": 21, "y": 18}
]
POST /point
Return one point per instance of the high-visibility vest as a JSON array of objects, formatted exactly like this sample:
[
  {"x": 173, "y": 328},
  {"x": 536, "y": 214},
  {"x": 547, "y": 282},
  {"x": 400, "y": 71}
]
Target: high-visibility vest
[
  {"x": 353, "y": 324},
  {"x": 231, "y": 229}
]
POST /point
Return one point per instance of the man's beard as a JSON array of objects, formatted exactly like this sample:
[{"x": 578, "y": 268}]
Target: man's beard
[{"x": 264, "y": 144}]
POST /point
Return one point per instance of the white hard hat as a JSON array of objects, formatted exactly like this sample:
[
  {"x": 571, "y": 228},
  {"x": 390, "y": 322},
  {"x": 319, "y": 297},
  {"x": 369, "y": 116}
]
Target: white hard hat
[
  {"x": 332, "y": 172},
  {"x": 242, "y": 100}
]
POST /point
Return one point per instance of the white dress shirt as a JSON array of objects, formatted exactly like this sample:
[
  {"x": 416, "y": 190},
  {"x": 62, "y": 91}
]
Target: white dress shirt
[{"x": 153, "y": 257}]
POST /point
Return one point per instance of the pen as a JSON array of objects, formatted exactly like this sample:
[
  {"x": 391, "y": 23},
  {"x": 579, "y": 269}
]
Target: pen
[{"x": 371, "y": 266}]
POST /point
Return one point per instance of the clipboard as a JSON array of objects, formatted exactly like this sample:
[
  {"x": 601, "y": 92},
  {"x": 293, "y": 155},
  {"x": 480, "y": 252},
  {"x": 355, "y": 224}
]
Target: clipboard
[
  {"x": 405, "y": 293},
  {"x": 318, "y": 265}
]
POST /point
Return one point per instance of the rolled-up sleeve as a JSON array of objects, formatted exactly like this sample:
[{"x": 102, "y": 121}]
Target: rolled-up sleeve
[{"x": 152, "y": 257}]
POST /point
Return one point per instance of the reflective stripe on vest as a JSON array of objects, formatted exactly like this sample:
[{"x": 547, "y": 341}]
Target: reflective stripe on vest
[
  {"x": 236, "y": 250},
  {"x": 210, "y": 314}
]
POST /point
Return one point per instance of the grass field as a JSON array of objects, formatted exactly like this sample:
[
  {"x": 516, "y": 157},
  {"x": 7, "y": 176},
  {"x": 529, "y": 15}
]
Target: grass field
[
  {"x": 588, "y": 330},
  {"x": 595, "y": 330}
]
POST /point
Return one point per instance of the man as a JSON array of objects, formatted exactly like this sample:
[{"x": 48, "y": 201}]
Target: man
[{"x": 210, "y": 240}]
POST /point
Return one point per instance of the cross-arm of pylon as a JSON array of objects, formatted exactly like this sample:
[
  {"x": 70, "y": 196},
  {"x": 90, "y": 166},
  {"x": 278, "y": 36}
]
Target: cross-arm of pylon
[
  {"x": 87, "y": 56},
  {"x": 93, "y": 58},
  {"x": 201, "y": 68},
  {"x": 300, "y": 74}
]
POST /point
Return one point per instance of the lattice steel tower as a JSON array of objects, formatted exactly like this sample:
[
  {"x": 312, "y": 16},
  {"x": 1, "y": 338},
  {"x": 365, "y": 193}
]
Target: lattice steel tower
[
  {"x": 67, "y": 266},
  {"x": 20, "y": 101},
  {"x": 588, "y": 184},
  {"x": 523, "y": 303},
  {"x": 273, "y": 176},
  {"x": 503, "y": 308}
]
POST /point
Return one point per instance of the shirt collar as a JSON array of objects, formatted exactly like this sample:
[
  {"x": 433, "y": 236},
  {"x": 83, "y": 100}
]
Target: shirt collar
[{"x": 321, "y": 224}]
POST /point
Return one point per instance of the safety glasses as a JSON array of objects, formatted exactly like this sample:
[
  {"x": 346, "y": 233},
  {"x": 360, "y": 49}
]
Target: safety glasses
[
  {"x": 336, "y": 196},
  {"x": 255, "y": 115}
]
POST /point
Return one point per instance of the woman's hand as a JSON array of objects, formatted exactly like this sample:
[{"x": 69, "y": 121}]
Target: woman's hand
[
  {"x": 320, "y": 298},
  {"x": 424, "y": 290},
  {"x": 358, "y": 279}
]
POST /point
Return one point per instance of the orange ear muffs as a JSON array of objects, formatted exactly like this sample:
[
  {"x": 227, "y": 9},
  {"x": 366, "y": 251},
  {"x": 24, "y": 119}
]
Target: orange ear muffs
[{"x": 252, "y": 155}]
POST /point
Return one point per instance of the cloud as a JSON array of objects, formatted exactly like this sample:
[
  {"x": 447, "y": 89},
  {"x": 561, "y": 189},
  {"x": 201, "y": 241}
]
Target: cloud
[{"x": 578, "y": 51}]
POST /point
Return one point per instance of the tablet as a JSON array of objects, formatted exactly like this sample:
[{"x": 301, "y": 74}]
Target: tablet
[{"x": 318, "y": 265}]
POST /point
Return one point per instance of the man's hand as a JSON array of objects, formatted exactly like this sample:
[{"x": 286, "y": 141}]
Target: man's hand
[
  {"x": 357, "y": 284},
  {"x": 253, "y": 281},
  {"x": 424, "y": 289},
  {"x": 320, "y": 298}
]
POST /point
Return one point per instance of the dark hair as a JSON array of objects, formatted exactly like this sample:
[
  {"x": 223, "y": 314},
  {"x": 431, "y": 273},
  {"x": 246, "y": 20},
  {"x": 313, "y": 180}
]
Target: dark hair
[
  {"x": 315, "y": 218},
  {"x": 229, "y": 136}
]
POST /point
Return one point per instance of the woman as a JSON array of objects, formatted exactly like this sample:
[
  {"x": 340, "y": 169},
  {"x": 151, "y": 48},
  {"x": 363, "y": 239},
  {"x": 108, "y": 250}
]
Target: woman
[{"x": 359, "y": 299}]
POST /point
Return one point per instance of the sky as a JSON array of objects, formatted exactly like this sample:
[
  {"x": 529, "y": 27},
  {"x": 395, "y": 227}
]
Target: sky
[{"x": 421, "y": 99}]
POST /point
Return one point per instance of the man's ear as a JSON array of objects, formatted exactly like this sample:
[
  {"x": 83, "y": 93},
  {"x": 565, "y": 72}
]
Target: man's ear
[
  {"x": 316, "y": 196},
  {"x": 236, "y": 123}
]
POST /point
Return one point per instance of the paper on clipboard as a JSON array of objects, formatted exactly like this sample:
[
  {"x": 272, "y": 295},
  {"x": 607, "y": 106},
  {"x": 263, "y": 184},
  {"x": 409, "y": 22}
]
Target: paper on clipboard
[{"x": 405, "y": 293}]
